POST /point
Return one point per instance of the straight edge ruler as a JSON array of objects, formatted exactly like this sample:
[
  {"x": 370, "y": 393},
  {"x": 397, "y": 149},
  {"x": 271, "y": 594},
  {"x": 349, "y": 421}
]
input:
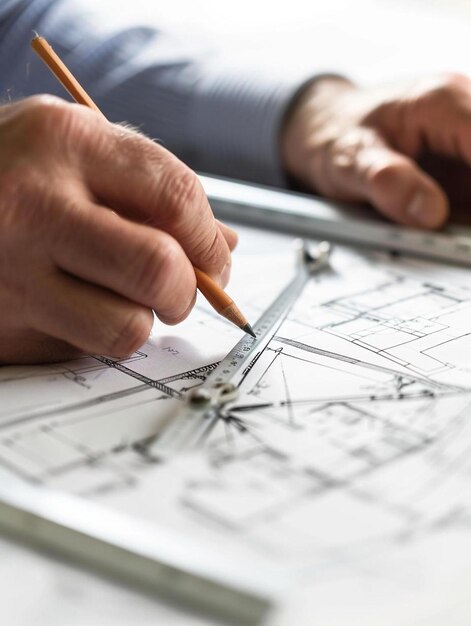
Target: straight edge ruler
[
  {"x": 307, "y": 216},
  {"x": 193, "y": 421},
  {"x": 149, "y": 557}
]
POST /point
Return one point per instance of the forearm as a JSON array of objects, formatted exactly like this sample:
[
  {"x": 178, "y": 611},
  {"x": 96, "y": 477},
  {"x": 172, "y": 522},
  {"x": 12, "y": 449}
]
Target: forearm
[{"x": 219, "y": 119}]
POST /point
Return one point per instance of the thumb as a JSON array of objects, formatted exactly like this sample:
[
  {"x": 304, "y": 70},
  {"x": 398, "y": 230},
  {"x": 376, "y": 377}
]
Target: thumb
[
  {"x": 392, "y": 182},
  {"x": 399, "y": 189}
]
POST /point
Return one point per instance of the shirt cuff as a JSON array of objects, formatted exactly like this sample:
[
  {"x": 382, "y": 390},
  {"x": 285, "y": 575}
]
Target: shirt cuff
[{"x": 235, "y": 123}]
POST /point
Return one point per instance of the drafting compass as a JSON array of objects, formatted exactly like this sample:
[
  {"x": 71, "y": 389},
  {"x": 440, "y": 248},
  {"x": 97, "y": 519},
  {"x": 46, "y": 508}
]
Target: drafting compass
[
  {"x": 150, "y": 554},
  {"x": 208, "y": 403}
]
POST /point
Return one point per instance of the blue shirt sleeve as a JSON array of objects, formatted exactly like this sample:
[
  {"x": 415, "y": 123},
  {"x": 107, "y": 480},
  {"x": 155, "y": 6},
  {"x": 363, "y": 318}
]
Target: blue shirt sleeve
[{"x": 217, "y": 117}]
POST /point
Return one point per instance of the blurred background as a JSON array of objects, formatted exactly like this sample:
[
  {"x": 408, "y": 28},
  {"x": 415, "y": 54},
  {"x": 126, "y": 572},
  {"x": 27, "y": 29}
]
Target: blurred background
[{"x": 371, "y": 41}]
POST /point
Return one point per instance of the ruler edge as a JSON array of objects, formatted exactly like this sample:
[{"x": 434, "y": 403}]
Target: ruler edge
[
  {"x": 319, "y": 218},
  {"x": 160, "y": 447},
  {"x": 60, "y": 523}
]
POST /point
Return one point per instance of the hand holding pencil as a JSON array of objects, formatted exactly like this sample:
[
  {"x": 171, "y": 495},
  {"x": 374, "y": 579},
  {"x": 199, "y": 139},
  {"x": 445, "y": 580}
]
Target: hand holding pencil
[
  {"x": 99, "y": 226},
  {"x": 215, "y": 295}
]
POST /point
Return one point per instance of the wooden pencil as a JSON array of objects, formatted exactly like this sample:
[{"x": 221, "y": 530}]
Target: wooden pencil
[
  {"x": 62, "y": 73},
  {"x": 216, "y": 296}
]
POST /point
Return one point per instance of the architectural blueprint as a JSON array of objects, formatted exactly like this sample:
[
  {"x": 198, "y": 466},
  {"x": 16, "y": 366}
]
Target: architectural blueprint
[{"x": 357, "y": 465}]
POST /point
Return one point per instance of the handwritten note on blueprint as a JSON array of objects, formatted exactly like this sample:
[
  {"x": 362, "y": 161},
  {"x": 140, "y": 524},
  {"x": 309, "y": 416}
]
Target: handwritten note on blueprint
[{"x": 354, "y": 483}]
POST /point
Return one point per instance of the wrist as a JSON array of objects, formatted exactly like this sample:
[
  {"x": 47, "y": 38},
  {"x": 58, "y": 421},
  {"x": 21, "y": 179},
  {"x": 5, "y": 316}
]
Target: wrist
[{"x": 306, "y": 120}]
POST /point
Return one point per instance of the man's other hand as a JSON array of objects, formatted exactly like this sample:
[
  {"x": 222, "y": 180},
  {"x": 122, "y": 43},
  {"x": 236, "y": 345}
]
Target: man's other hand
[
  {"x": 99, "y": 226},
  {"x": 406, "y": 150}
]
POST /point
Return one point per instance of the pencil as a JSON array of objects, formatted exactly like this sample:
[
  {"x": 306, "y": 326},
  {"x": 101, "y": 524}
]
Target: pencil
[{"x": 216, "y": 296}]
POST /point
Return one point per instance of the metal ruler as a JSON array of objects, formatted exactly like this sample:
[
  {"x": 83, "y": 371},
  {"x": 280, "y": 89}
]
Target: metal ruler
[
  {"x": 205, "y": 404},
  {"x": 146, "y": 555},
  {"x": 308, "y": 216}
]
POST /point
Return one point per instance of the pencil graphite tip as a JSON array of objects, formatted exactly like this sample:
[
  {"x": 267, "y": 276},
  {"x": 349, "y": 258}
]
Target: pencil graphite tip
[{"x": 249, "y": 330}]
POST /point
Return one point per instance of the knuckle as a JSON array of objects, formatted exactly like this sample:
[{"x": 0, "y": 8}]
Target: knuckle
[
  {"x": 344, "y": 150},
  {"x": 214, "y": 253},
  {"x": 44, "y": 103},
  {"x": 192, "y": 216},
  {"x": 128, "y": 333},
  {"x": 166, "y": 279},
  {"x": 50, "y": 117},
  {"x": 183, "y": 190},
  {"x": 47, "y": 111},
  {"x": 154, "y": 271}
]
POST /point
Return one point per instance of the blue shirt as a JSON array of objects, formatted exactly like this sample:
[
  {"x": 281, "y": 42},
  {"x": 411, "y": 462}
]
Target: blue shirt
[{"x": 218, "y": 118}]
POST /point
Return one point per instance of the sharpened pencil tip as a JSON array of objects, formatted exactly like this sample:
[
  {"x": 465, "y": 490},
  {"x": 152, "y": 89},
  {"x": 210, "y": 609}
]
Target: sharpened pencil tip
[{"x": 249, "y": 330}]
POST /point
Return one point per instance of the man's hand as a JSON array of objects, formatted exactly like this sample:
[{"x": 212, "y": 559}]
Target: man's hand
[
  {"x": 405, "y": 150},
  {"x": 98, "y": 227}
]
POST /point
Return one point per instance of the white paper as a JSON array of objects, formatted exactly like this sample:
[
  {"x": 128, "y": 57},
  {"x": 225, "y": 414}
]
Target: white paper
[{"x": 354, "y": 482}]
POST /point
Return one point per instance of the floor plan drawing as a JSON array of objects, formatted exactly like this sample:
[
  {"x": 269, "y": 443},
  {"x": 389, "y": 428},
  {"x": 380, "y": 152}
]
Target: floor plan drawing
[
  {"x": 351, "y": 435},
  {"x": 79, "y": 396}
]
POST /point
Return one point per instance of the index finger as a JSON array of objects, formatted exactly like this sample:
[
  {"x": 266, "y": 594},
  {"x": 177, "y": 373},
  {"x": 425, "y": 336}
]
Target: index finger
[{"x": 145, "y": 182}]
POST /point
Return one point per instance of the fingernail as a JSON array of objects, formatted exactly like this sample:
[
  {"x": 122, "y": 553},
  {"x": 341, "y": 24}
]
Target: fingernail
[{"x": 422, "y": 211}]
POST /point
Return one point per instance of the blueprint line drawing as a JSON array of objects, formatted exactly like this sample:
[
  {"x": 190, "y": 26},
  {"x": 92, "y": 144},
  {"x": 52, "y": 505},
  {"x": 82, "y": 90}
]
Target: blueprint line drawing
[{"x": 348, "y": 448}]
